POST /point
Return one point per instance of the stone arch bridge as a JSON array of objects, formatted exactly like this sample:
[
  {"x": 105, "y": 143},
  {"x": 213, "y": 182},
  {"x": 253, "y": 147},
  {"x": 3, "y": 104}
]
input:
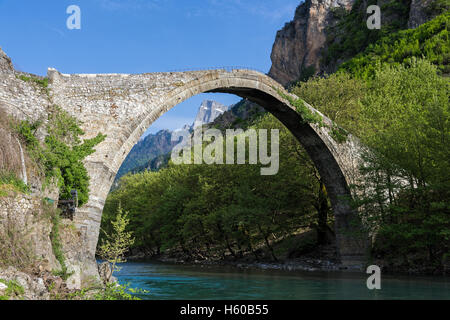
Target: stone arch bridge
[{"x": 123, "y": 106}]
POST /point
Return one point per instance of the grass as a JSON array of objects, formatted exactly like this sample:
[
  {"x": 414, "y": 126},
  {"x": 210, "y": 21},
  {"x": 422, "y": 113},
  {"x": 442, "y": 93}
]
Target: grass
[
  {"x": 41, "y": 82},
  {"x": 10, "y": 182},
  {"x": 14, "y": 290}
]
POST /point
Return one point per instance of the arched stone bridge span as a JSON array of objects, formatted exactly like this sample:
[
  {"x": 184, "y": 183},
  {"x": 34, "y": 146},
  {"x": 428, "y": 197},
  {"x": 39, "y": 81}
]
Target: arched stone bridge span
[{"x": 123, "y": 106}]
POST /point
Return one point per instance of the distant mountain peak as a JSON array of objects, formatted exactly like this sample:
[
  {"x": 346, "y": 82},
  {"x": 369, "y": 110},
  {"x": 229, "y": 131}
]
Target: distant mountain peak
[
  {"x": 155, "y": 146},
  {"x": 208, "y": 112}
]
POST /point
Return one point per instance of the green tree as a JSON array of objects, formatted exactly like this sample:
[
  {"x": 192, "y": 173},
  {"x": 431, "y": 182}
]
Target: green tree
[
  {"x": 117, "y": 244},
  {"x": 406, "y": 120}
]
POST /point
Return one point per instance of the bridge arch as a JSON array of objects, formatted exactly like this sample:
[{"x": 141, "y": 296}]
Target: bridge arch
[{"x": 151, "y": 95}]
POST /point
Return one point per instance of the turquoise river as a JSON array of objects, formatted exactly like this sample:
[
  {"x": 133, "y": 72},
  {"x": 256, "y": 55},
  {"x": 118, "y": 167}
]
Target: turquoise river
[{"x": 174, "y": 281}]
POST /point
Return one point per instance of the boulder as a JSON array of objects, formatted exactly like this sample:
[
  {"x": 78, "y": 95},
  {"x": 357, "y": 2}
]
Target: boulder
[
  {"x": 34, "y": 288},
  {"x": 105, "y": 271}
]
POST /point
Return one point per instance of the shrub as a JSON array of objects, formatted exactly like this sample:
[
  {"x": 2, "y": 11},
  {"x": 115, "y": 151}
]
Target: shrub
[
  {"x": 62, "y": 153},
  {"x": 430, "y": 41},
  {"x": 16, "y": 184}
]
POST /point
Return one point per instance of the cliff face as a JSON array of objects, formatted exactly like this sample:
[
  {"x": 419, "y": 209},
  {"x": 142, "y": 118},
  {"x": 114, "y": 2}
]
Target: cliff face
[
  {"x": 325, "y": 33},
  {"x": 422, "y": 11},
  {"x": 25, "y": 223},
  {"x": 5, "y": 63},
  {"x": 299, "y": 45}
]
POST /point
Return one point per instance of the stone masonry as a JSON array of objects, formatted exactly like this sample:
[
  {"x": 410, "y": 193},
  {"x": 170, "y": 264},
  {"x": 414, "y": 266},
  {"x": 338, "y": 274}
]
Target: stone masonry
[{"x": 123, "y": 106}]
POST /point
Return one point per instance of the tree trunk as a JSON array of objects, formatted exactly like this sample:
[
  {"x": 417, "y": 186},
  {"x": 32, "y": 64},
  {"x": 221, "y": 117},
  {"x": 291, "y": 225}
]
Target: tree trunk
[{"x": 267, "y": 243}]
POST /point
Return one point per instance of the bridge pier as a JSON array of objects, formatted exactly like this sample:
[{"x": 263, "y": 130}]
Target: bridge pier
[
  {"x": 87, "y": 220},
  {"x": 352, "y": 244}
]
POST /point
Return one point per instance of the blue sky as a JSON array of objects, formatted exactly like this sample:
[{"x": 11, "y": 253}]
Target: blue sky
[{"x": 137, "y": 36}]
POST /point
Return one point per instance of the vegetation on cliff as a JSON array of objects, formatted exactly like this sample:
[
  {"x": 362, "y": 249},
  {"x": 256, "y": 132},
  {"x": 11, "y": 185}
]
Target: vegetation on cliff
[
  {"x": 52, "y": 152},
  {"x": 430, "y": 41},
  {"x": 62, "y": 153},
  {"x": 350, "y": 35}
]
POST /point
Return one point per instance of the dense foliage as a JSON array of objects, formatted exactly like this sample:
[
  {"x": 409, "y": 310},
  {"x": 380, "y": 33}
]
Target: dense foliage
[
  {"x": 62, "y": 153},
  {"x": 402, "y": 114},
  {"x": 222, "y": 210},
  {"x": 350, "y": 35},
  {"x": 406, "y": 122},
  {"x": 430, "y": 40}
]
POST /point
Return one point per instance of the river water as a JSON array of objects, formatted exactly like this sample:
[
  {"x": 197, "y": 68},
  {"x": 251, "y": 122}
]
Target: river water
[{"x": 173, "y": 281}]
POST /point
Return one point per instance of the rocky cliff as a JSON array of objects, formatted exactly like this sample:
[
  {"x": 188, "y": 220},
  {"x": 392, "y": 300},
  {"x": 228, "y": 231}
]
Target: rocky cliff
[
  {"x": 5, "y": 63},
  {"x": 325, "y": 33},
  {"x": 27, "y": 230},
  {"x": 299, "y": 45},
  {"x": 422, "y": 11}
]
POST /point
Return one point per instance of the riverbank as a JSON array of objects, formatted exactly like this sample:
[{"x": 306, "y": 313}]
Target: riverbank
[
  {"x": 322, "y": 258},
  {"x": 300, "y": 264},
  {"x": 317, "y": 258},
  {"x": 169, "y": 281}
]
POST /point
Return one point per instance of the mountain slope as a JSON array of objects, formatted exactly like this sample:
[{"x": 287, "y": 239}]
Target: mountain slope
[
  {"x": 151, "y": 152},
  {"x": 147, "y": 149},
  {"x": 326, "y": 33}
]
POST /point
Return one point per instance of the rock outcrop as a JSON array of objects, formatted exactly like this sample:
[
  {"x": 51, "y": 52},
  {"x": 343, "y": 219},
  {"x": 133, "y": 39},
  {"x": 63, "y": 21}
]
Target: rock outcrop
[
  {"x": 5, "y": 63},
  {"x": 27, "y": 287},
  {"x": 298, "y": 46},
  {"x": 301, "y": 48},
  {"x": 22, "y": 98},
  {"x": 106, "y": 273},
  {"x": 420, "y": 12}
]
